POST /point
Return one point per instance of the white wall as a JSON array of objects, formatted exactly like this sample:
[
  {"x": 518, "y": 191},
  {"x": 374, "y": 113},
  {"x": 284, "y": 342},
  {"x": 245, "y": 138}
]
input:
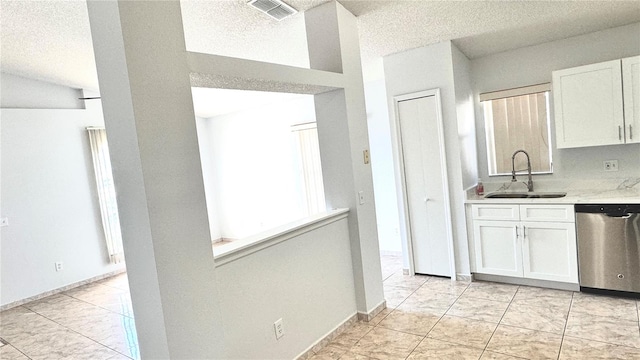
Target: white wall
[
  {"x": 466, "y": 117},
  {"x": 209, "y": 176},
  {"x": 22, "y": 93},
  {"x": 427, "y": 68},
  {"x": 384, "y": 182},
  {"x": 533, "y": 65},
  {"x": 253, "y": 180},
  {"x": 49, "y": 195},
  {"x": 281, "y": 281}
]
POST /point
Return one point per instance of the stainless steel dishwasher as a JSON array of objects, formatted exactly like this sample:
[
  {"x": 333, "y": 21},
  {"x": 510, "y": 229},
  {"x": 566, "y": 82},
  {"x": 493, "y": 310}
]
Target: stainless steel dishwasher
[{"x": 609, "y": 247}]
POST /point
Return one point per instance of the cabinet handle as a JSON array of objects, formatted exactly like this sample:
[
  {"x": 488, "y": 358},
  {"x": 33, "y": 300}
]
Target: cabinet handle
[
  {"x": 524, "y": 231},
  {"x": 619, "y": 132},
  {"x": 517, "y": 235},
  {"x": 630, "y": 132}
]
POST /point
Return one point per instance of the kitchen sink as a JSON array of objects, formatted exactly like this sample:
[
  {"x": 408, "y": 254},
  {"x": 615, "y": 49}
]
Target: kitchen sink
[{"x": 525, "y": 195}]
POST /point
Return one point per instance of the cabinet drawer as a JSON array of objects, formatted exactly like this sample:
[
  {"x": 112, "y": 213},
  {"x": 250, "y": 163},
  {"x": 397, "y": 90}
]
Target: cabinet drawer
[
  {"x": 495, "y": 212},
  {"x": 554, "y": 213}
]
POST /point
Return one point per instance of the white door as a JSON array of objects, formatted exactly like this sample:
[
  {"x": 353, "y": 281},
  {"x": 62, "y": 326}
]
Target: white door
[
  {"x": 498, "y": 249},
  {"x": 588, "y": 105},
  {"x": 631, "y": 83},
  {"x": 549, "y": 251},
  {"x": 423, "y": 161}
]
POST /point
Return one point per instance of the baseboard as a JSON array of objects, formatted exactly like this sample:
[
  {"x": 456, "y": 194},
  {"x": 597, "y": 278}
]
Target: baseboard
[
  {"x": 373, "y": 313},
  {"x": 62, "y": 289},
  {"x": 464, "y": 277},
  {"x": 528, "y": 282},
  {"x": 359, "y": 316},
  {"x": 320, "y": 344}
]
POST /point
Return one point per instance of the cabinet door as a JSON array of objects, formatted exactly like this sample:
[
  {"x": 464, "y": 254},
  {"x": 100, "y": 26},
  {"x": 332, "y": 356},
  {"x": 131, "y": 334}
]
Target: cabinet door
[
  {"x": 588, "y": 105},
  {"x": 549, "y": 251},
  {"x": 631, "y": 92},
  {"x": 498, "y": 250}
]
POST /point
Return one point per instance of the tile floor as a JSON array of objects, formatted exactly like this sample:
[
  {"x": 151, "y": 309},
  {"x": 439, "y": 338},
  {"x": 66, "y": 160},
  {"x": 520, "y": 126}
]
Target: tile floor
[
  {"x": 426, "y": 318},
  {"x": 92, "y": 322},
  {"x": 433, "y": 318}
]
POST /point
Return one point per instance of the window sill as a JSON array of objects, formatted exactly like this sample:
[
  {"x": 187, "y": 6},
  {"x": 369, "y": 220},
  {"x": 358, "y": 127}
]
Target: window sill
[{"x": 240, "y": 248}]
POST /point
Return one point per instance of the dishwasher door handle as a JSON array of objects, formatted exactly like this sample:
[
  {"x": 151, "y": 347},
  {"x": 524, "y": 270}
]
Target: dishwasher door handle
[{"x": 620, "y": 216}]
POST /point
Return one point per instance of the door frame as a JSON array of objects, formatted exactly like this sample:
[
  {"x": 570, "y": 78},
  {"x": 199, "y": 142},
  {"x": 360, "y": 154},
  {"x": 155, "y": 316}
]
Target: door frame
[{"x": 401, "y": 188}]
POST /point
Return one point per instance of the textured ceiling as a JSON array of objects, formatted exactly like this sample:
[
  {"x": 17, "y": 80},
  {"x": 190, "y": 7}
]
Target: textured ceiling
[{"x": 50, "y": 40}]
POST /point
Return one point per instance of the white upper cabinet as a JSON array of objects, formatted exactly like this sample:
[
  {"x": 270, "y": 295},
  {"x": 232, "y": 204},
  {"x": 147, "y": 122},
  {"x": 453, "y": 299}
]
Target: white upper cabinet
[
  {"x": 631, "y": 91},
  {"x": 588, "y": 105}
]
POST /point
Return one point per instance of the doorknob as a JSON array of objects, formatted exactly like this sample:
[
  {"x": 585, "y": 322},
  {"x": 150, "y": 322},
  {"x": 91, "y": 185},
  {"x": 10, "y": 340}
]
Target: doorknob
[{"x": 426, "y": 199}]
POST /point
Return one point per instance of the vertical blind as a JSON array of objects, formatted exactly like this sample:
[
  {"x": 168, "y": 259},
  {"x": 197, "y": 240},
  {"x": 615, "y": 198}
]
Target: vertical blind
[
  {"x": 106, "y": 193},
  {"x": 306, "y": 137},
  {"x": 514, "y": 123}
]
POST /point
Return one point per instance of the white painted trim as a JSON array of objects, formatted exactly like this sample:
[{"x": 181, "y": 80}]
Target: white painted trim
[
  {"x": 224, "y": 254},
  {"x": 396, "y": 143}
]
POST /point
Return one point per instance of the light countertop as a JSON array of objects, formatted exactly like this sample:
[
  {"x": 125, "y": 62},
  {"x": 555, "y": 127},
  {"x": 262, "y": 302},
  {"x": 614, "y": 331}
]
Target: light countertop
[{"x": 625, "y": 193}]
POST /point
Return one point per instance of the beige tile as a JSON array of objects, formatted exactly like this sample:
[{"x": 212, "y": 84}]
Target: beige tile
[
  {"x": 547, "y": 298},
  {"x": 124, "y": 343},
  {"x": 399, "y": 279},
  {"x": 445, "y": 286},
  {"x": 62, "y": 308},
  {"x": 547, "y": 319},
  {"x": 463, "y": 331},
  {"x": 491, "y": 291},
  {"x": 410, "y": 322},
  {"x": 525, "y": 343},
  {"x": 624, "y": 309},
  {"x": 120, "y": 281},
  {"x": 329, "y": 352},
  {"x": 490, "y": 355},
  {"x": 62, "y": 344},
  {"x": 382, "y": 343},
  {"x": 120, "y": 357},
  {"x": 353, "y": 356},
  {"x": 395, "y": 294},
  {"x": 8, "y": 352},
  {"x": 437, "y": 349},
  {"x": 378, "y": 318},
  {"x": 426, "y": 301},
  {"x": 22, "y": 327},
  {"x": 605, "y": 329},
  {"x": 110, "y": 298},
  {"x": 478, "y": 309},
  {"x": 579, "y": 349},
  {"x": 351, "y": 335}
]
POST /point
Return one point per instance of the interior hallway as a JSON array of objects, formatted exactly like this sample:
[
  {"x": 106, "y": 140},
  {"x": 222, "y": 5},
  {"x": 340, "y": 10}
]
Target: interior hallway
[{"x": 426, "y": 318}]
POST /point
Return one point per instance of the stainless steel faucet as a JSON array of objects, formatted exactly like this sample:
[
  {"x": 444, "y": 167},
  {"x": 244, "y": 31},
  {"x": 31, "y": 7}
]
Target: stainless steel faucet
[{"x": 513, "y": 168}]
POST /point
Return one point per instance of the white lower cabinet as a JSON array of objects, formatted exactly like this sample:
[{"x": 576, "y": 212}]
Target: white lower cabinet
[{"x": 542, "y": 250}]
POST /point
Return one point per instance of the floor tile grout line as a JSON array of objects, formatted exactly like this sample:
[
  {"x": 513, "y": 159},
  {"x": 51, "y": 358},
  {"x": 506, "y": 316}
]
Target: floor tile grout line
[
  {"x": 441, "y": 316},
  {"x": 99, "y": 306},
  {"x": 78, "y": 299},
  {"x": 498, "y": 325},
  {"x": 74, "y": 331},
  {"x": 565, "y": 325}
]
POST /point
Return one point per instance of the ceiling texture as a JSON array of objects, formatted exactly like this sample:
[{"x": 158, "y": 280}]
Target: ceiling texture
[{"x": 51, "y": 40}]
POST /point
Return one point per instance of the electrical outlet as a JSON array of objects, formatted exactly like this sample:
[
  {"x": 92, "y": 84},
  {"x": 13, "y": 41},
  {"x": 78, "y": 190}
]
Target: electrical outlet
[
  {"x": 279, "y": 328},
  {"x": 59, "y": 266},
  {"x": 4, "y": 222},
  {"x": 361, "y": 197},
  {"x": 610, "y": 165}
]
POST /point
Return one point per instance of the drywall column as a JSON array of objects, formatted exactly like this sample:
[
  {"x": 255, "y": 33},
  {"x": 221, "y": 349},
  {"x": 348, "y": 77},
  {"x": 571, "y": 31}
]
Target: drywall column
[
  {"x": 332, "y": 37},
  {"x": 146, "y": 95}
]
